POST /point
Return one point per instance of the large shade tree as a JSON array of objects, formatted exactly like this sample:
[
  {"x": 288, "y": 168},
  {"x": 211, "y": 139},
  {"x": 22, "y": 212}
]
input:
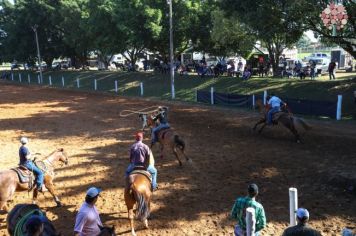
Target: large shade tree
[{"x": 275, "y": 22}]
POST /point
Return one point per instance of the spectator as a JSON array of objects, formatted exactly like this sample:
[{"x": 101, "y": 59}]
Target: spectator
[
  {"x": 247, "y": 74},
  {"x": 331, "y": 70},
  {"x": 301, "y": 229},
  {"x": 239, "y": 211},
  {"x": 87, "y": 221},
  {"x": 312, "y": 70}
]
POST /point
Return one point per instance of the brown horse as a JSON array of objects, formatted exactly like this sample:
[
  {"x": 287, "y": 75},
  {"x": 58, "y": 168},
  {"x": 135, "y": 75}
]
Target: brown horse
[
  {"x": 138, "y": 191},
  {"x": 107, "y": 231},
  {"x": 18, "y": 216},
  {"x": 167, "y": 138},
  {"x": 284, "y": 117},
  {"x": 10, "y": 183}
]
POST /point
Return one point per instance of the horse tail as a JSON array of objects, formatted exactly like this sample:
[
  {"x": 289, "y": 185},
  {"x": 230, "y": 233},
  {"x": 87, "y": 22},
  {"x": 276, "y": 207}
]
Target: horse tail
[
  {"x": 302, "y": 122},
  {"x": 179, "y": 142},
  {"x": 142, "y": 208}
]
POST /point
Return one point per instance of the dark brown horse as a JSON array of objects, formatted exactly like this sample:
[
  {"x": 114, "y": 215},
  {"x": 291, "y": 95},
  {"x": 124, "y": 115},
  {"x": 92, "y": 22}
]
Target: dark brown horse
[
  {"x": 167, "y": 138},
  {"x": 284, "y": 117},
  {"x": 10, "y": 182},
  {"x": 18, "y": 216},
  {"x": 138, "y": 192}
]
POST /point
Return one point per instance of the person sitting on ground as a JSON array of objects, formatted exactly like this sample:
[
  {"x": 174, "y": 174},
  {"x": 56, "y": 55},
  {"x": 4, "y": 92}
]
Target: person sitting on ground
[
  {"x": 141, "y": 157},
  {"x": 239, "y": 212},
  {"x": 275, "y": 103},
  {"x": 162, "y": 119},
  {"x": 301, "y": 229},
  {"x": 87, "y": 221},
  {"x": 26, "y": 161},
  {"x": 35, "y": 225}
]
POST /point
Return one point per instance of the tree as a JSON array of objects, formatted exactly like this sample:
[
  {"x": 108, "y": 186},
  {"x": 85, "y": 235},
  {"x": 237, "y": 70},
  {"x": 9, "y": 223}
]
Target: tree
[
  {"x": 17, "y": 22},
  {"x": 346, "y": 38},
  {"x": 303, "y": 42},
  {"x": 275, "y": 22}
]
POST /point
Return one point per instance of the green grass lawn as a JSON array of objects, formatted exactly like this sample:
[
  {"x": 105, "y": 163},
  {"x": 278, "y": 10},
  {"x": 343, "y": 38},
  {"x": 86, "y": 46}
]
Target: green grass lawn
[{"x": 158, "y": 86}]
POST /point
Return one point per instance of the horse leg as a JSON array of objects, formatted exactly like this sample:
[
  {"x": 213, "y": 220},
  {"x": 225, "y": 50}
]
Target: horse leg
[
  {"x": 50, "y": 186},
  {"x": 290, "y": 125},
  {"x": 261, "y": 129},
  {"x": 3, "y": 206},
  {"x": 258, "y": 123},
  {"x": 34, "y": 196},
  {"x": 130, "y": 202},
  {"x": 161, "y": 149},
  {"x": 177, "y": 156}
]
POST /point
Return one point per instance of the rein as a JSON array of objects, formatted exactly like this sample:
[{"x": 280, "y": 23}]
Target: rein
[{"x": 145, "y": 111}]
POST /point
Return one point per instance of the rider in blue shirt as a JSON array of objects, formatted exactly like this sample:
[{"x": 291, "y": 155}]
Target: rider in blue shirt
[
  {"x": 275, "y": 103},
  {"x": 25, "y": 160},
  {"x": 162, "y": 117}
]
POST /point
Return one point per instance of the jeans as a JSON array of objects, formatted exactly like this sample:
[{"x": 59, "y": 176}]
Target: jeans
[
  {"x": 156, "y": 129},
  {"x": 38, "y": 173},
  {"x": 331, "y": 75},
  {"x": 270, "y": 114},
  {"x": 151, "y": 169}
]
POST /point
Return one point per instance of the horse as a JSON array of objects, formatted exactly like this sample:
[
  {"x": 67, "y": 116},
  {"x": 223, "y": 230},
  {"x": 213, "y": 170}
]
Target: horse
[
  {"x": 107, "y": 231},
  {"x": 166, "y": 137},
  {"x": 18, "y": 216},
  {"x": 10, "y": 181},
  {"x": 138, "y": 191},
  {"x": 284, "y": 117}
]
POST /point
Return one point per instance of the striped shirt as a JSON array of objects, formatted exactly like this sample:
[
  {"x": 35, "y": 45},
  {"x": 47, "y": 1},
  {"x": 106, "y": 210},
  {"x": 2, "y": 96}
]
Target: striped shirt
[{"x": 239, "y": 212}]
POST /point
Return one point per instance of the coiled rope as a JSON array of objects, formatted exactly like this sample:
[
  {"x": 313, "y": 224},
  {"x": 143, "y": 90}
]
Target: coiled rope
[{"x": 145, "y": 111}]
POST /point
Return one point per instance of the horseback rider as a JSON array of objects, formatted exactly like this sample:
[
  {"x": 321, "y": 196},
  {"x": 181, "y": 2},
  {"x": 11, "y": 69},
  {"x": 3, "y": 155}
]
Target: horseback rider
[
  {"x": 141, "y": 157},
  {"x": 275, "y": 106},
  {"x": 26, "y": 161},
  {"x": 162, "y": 118}
]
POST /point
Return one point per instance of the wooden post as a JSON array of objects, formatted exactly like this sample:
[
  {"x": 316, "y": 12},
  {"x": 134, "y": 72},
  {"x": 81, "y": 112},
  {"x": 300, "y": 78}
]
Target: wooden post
[
  {"x": 338, "y": 108},
  {"x": 293, "y": 206},
  {"x": 116, "y": 86},
  {"x": 212, "y": 95}
]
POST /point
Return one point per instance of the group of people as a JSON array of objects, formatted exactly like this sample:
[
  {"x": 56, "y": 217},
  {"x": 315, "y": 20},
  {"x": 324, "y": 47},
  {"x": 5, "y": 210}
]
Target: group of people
[{"x": 238, "y": 213}]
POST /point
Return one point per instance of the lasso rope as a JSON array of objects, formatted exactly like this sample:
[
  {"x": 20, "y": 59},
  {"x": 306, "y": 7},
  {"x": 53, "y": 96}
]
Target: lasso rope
[
  {"x": 146, "y": 111},
  {"x": 20, "y": 224}
]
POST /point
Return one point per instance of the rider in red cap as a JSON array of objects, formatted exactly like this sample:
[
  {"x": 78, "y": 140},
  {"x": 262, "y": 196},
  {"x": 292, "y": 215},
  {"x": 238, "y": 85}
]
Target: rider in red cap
[{"x": 140, "y": 157}]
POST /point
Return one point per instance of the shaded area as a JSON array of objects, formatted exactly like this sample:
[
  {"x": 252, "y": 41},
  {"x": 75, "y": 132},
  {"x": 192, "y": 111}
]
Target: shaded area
[{"x": 197, "y": 198}]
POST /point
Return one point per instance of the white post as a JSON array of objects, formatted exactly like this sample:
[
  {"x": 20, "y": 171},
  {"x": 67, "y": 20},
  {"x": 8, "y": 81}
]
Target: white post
[
  {"x": 20, "y": 78},
  {"x": 38, "y": 79},
  {"x": 141, "y": 86},
  {"x": 12, "y": 76},
  {"x": 293, "y": 206},
  {"x": 28, "y": 78},
  {"x": 78, "y": 85},
  {"x": 115, "y": 86},
  {"x": 253, "y": 101},
  {"x": 264, "y": 97},
  {"x": 95, "y": 84},
  {"x": 339, "y": 105},
  {"x": 62, "y": 81},
  {"x": 212, "y": 95},
  {"x": 50, "y": 81},
  {"x": 250, "y": 221}
]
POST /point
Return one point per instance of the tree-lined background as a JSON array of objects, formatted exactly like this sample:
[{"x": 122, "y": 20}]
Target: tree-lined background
[{"x": 76, "y": 28}]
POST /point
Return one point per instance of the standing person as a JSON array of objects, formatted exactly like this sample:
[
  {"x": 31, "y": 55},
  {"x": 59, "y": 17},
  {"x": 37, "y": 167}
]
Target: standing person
[
  {"x": 239, "y": 211},
  {"x": 275, "y": 103},
  {"x": 141, "y": 157},
  {"x": 87, "y": 221},
  {"x": 312, "y": 70},
  {"x": 26, "y": 161},
  {"x": 331, "y": 70},
  {"x": 302, "y": 228}
]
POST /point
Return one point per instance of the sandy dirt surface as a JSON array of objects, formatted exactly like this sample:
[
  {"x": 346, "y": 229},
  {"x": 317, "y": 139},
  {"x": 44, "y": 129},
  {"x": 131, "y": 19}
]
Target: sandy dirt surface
[{"x": 197, "y": 198}]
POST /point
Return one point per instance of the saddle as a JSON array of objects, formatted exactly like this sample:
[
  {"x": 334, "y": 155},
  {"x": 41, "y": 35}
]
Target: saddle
[
  {"x": 25, "y": 175},
  {"x": 142, "y": 171}
]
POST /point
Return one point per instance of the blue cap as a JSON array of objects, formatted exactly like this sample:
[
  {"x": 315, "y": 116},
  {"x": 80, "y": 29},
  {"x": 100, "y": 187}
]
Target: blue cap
[
  {"x": 93, "y": 192},
  {"x": 302, "y": 213}
]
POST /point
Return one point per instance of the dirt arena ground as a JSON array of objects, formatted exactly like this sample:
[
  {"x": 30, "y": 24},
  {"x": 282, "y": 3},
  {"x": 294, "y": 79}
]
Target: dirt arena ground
[{"x": 197, "y": 198}]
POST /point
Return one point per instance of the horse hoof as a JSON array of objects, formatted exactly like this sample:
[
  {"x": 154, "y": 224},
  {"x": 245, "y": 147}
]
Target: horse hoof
[{"x": 59, "y": 204}]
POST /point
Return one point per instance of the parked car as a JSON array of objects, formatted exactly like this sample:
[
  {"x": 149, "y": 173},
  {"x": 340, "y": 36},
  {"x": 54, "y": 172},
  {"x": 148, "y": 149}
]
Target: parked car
[
  {"x": 56, "y": 65},
  {"x": 15, "y": 65},
  {"x": 322, "y": 65},
  {"x": 317, "y": 55}
]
